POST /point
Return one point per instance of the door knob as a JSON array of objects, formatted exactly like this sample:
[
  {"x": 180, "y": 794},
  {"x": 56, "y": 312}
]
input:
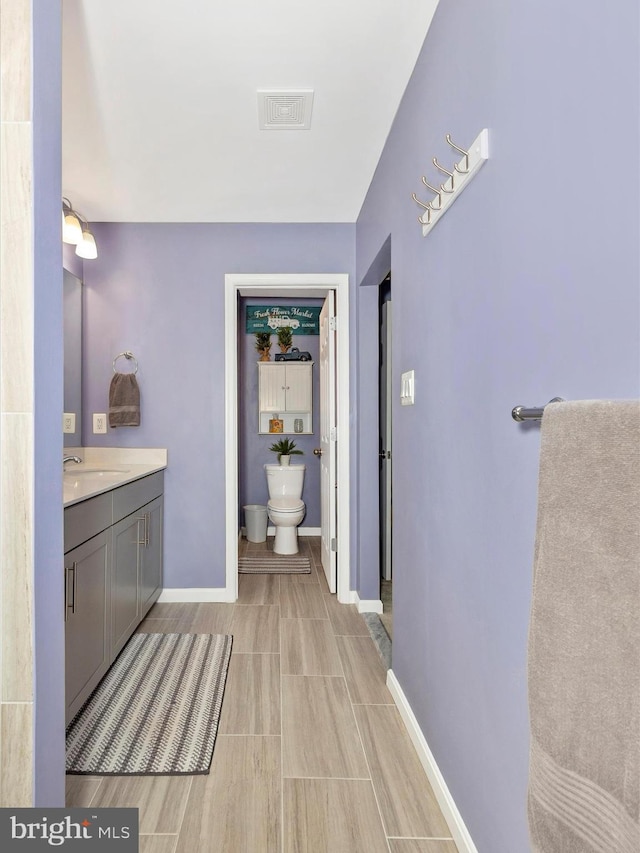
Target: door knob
[{"x": 317, "y": 451}]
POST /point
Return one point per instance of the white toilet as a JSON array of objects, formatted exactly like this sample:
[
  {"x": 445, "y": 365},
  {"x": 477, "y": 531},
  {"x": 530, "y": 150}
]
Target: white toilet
[{"x": 285, "y": 507}]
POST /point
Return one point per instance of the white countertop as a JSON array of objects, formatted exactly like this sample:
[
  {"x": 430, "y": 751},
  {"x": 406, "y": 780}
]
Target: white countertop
[{"x": 106, "y": 468}]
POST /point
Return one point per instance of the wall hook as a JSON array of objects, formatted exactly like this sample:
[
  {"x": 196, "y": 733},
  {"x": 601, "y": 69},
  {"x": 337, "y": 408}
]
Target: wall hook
[
  {"x": 427, "y": 208},
  {"x": 446, "y": 172},
  {"x": 433, "y": 190},
  {"x": 461, "y": 174},
  {"x": 421, "y": 203},
  {"x": 457, "y": 168}
]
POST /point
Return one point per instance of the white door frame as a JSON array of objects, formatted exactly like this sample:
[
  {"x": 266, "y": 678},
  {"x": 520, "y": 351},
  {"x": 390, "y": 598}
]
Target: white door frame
[
  {"x": 286, "y": 284},
  {"x": 328, "y": 444}
]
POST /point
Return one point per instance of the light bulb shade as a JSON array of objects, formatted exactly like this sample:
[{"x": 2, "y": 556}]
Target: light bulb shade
[
  {"x": 71, "y": 228},
  {"x": 87, "y": 248}
]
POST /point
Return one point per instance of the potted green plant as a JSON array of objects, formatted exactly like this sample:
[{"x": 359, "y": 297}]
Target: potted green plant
[
  {"x": 285, "y": 338},
  {"x": 263, "y": 345},
  {"x": 285, "y": 448}
]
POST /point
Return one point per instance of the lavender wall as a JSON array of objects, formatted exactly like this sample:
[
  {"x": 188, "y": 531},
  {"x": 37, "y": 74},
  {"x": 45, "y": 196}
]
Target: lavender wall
[
  {"x": 253, "y": 449},
  {"x": 49, "y": 778},
  {"x": 526, "y": 289},
  {"x": 158, "y": 290}
]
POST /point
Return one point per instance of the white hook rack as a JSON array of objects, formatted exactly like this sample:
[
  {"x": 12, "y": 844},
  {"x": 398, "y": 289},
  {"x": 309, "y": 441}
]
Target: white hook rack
[{"x": 458, "y": 178}]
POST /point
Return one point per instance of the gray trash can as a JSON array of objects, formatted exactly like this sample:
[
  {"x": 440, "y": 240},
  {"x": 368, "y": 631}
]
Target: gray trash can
[{"x": 255, "y": 520}]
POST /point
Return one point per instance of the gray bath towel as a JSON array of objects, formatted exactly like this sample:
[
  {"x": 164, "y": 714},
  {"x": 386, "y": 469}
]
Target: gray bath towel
[
  {"x": 124, "y": 400},
  {"x": 584, "y": 635}
]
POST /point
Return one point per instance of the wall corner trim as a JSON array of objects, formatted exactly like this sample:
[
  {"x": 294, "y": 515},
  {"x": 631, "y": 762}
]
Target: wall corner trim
[
  {"x": 196, "y": 594},
  {"x": 459, "y": 831}
]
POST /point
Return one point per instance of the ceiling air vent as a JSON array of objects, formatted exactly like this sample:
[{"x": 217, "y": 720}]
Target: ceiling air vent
[{"x": 285, "y": 110}]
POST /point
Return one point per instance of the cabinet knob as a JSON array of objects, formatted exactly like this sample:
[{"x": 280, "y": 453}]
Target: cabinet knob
[{"x": 317, "y": 451}]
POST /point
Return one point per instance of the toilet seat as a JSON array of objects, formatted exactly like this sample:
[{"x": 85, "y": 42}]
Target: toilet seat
[{"x": 285, "y": 505}]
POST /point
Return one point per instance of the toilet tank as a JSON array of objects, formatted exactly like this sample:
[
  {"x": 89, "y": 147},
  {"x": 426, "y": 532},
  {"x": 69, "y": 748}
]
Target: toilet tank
[{"x": 285, "y": 481}]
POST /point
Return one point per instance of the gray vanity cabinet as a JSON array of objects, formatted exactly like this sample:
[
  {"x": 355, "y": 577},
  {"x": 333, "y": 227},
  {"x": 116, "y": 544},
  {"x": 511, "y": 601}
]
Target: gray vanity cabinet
[
  {"x": 112, "y": 576},
  {"x": 151, "y": 555},
  {"x": 87, "y": 572},
  {"x": 136, "y": 578},
  {"x": 86, "y": 636},
  {"x": 124, "y": 581}
]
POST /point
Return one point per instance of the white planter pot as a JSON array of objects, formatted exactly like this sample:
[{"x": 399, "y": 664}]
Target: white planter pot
[{"x": 285, "y": 460}]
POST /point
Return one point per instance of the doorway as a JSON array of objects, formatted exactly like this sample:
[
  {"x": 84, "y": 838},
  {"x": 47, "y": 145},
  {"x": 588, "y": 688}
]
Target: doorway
[
  {"x": 385, "y": 454},
  {"x": 283, "y": 286}
]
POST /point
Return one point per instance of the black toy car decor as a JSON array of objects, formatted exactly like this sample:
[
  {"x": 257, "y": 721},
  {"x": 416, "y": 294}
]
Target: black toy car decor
[{"x": 294, "y": 354}]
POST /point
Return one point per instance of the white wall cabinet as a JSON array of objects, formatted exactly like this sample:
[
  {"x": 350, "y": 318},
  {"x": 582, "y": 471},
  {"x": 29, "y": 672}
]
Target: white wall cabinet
[{"x": 286, "y": 389}]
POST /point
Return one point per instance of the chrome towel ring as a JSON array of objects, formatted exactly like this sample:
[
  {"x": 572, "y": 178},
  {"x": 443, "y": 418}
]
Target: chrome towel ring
[{"x": 130, "y": 357}]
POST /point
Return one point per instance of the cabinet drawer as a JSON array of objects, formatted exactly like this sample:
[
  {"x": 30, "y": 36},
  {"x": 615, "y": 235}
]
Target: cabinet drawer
[
  {"x": 129, "y": 498},
  {"x": 86, "y": 519}
]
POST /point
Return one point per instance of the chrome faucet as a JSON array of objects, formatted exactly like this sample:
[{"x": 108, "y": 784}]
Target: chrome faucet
[{"x": 71, "y": 459}]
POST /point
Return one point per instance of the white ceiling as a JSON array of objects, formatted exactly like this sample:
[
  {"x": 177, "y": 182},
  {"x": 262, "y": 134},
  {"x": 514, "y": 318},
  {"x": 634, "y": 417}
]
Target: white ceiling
[{"x": 160, "y": 111}]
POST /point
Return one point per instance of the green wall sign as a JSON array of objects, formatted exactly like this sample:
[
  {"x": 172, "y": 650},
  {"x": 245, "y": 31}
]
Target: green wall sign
[{"x": 303, "y": 321}]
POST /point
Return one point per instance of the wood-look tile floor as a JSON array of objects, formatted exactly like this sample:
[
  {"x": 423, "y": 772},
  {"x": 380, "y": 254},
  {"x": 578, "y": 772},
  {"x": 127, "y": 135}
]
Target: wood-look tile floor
[{"x": 311, "y": 754}]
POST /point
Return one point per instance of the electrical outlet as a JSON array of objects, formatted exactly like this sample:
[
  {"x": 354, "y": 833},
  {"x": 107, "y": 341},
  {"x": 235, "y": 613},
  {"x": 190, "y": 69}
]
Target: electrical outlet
[
  {"x": 69, "y": 422},
  {"x": 99, "y": 423}
]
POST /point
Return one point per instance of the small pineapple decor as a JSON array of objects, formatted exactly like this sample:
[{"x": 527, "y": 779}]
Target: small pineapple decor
[
  {"x": 285, "y": 448},
  {"x": 263, "y": 345},
  {"x": 285, "y": 338}
]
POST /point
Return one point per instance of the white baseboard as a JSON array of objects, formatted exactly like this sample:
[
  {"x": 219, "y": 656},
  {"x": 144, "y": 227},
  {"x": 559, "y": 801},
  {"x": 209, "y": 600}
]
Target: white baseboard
[
  {"x": 309, "y": 531},
  {"x": 458, "y": 830},
  {"x": 195, "y": 594},
  {"x": 302, "y": 531},
  {"x": 366, "y": 605}
]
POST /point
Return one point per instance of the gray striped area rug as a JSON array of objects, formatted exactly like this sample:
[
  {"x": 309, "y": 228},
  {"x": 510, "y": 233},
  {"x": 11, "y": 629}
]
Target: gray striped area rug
[
  {"x": 262, "y": 564},
  {"x": 156, "y": 711}
]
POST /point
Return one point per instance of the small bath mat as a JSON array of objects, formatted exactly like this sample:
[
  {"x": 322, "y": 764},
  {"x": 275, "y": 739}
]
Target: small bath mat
[
  {"x": 156, "y": 711},
  {"x": 279, "y": 564}
]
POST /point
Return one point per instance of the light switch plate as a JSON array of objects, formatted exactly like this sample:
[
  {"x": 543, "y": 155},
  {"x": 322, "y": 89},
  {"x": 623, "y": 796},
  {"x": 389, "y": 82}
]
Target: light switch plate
[
  {"x": 99, "y": 423},
  {"x": 407, "y": 389},
  {"x": 69, "y": 422}
]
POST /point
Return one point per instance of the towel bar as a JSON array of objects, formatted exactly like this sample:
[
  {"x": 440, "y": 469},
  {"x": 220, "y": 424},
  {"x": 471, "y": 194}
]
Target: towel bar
[{"x": 520, "y": 413}]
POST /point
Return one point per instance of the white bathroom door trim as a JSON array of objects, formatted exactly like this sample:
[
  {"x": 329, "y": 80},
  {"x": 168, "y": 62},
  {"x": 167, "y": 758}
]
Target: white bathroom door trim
[
  {"x": 286, "y": 284},
  {"x": 328, "y": 427}
]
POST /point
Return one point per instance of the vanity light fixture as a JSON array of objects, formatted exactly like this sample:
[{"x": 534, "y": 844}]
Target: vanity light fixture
[
  {"x": 75, "y": 230},
  {"x": 71, "y": 228},
  {"x": 87, "y": 248}
]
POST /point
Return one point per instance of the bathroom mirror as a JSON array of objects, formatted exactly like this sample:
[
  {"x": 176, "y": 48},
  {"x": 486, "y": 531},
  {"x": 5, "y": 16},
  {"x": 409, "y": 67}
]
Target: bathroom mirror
[{"x": 72, "y": 426}]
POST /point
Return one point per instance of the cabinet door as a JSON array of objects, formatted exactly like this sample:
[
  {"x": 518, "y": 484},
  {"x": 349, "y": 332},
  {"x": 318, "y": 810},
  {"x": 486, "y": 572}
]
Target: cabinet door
[
  {"x": 298, "y": 387},
  {"x": 151, "y": 556},
  {"x": 272, "y": 388},
  {"x": 86, "y": 573},
  {"x": 127, "y": 534}
]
